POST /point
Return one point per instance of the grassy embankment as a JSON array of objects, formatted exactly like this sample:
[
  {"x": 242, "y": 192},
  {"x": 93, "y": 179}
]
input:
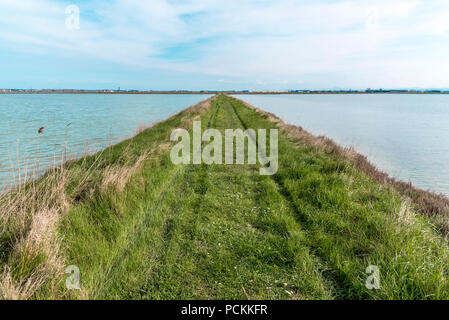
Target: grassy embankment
[{"x": 139, "y": 227}]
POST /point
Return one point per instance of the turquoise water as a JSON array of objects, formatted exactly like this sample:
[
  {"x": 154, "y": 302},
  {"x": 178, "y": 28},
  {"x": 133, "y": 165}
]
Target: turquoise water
[
  {"x": 87, "y": 122},
  {"x": 404, "y": 135}
]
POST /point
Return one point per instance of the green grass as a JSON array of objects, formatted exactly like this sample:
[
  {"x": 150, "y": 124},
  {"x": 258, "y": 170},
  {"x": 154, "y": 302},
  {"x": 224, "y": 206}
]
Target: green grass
[{"x": 226, "y": 232}]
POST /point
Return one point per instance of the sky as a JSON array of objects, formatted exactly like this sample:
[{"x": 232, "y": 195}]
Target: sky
[{"x": 224, "y": 45}]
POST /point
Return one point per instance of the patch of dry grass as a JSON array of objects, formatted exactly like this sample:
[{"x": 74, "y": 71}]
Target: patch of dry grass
[
  {"x": 30, "y": 255},
  {"x": 119, "y": 175},
  {"x": 29, "y": 218}
]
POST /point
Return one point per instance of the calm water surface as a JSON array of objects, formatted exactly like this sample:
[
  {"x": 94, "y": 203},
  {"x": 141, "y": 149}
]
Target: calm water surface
[
  {"x": 404, "y": 135},
  {"x": 88, "y": 122}
]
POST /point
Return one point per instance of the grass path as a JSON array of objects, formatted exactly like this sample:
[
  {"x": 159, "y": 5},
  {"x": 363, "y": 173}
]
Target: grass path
[
  {"x": 207, "y": 231},
  {"x": 226, "y": 232},
  {"x": 217, "y": 249}
]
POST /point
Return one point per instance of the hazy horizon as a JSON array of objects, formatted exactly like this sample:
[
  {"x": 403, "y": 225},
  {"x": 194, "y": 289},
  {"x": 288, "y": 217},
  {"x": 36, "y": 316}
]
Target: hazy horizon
[{"x": 228, "y": 90}]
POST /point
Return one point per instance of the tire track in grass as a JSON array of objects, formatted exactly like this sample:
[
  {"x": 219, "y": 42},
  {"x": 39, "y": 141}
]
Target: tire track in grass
[
  {"x": 133, "y": 256},
  {"x": 154, "y": 287},
  {"x": 329, "y": 273},
  {"x": 278, "y": 222},
  {"x": 351, "y": 223},
  {"x": 137, "y": 231},
  {"x": 200, "y": 188}
]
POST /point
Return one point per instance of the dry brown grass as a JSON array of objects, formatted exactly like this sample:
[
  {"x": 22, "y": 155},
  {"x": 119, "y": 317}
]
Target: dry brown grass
[
  {"x": 30, "y": 216},
  {"x": 119, "y": 175},
  {"x": 11, "y": 289},
  {"x": 30, "y": 213},
  {"x": 426, "y": 202},
  {"x": 405, "y": 213}
]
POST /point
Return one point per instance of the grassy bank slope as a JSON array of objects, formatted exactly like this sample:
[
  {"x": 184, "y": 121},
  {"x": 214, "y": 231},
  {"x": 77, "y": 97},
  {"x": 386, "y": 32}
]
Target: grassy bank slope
[{"x": 139, "y": 227}]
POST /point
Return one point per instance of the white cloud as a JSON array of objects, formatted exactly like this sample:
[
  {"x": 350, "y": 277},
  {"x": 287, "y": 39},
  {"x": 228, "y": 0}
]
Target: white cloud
[{"x": 340, "y": 42}]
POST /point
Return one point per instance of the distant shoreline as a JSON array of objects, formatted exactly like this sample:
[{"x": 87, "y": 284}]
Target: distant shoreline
[{"x": 243, "y": 92}]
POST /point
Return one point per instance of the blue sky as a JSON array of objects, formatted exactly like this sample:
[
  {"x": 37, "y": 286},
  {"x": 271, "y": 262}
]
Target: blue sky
[{"x": 233, "y": 44}]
